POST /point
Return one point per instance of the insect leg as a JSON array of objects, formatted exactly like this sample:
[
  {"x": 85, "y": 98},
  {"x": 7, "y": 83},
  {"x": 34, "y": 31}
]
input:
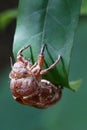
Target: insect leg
[
  {"x": 52, "y": 66},
  {"x": 41, "y": 56},
  {"x": 11, "y": 62},
  {"x": 36, "y": 68},
  {"x": 22, "y": 49}
]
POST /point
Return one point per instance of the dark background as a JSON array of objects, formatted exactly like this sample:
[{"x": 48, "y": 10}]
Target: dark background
[{"x": 6, "y": 35}]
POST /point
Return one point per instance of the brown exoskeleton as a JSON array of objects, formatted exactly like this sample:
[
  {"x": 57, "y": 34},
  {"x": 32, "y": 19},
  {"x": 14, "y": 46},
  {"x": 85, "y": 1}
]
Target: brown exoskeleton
[{"x": 27, "y": 85}]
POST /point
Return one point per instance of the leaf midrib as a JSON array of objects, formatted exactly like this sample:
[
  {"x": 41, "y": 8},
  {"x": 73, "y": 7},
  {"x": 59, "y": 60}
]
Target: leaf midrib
[{"x": 43, "y": 30}]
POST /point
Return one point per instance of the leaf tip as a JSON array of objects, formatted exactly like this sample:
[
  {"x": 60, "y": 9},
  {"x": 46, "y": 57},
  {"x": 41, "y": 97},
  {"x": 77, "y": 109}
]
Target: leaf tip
[{"x": 74, "y": 85}]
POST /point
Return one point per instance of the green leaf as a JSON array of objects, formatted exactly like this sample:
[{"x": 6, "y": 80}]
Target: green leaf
[
  {"x": 6, "y": 17},
  {"x": 52, "y": 22},
  {"x": 74, "y": 85}
]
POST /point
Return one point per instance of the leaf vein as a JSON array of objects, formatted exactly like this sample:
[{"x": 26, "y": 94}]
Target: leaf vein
[{"x": 57, "y": 21}]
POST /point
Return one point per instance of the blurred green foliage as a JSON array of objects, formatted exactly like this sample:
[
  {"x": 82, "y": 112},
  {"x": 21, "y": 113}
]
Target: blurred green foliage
[
  {"x": 69, "y": 114},
  {"x": 84, "y": 7},
  {"x": 6, "y": 17}
]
